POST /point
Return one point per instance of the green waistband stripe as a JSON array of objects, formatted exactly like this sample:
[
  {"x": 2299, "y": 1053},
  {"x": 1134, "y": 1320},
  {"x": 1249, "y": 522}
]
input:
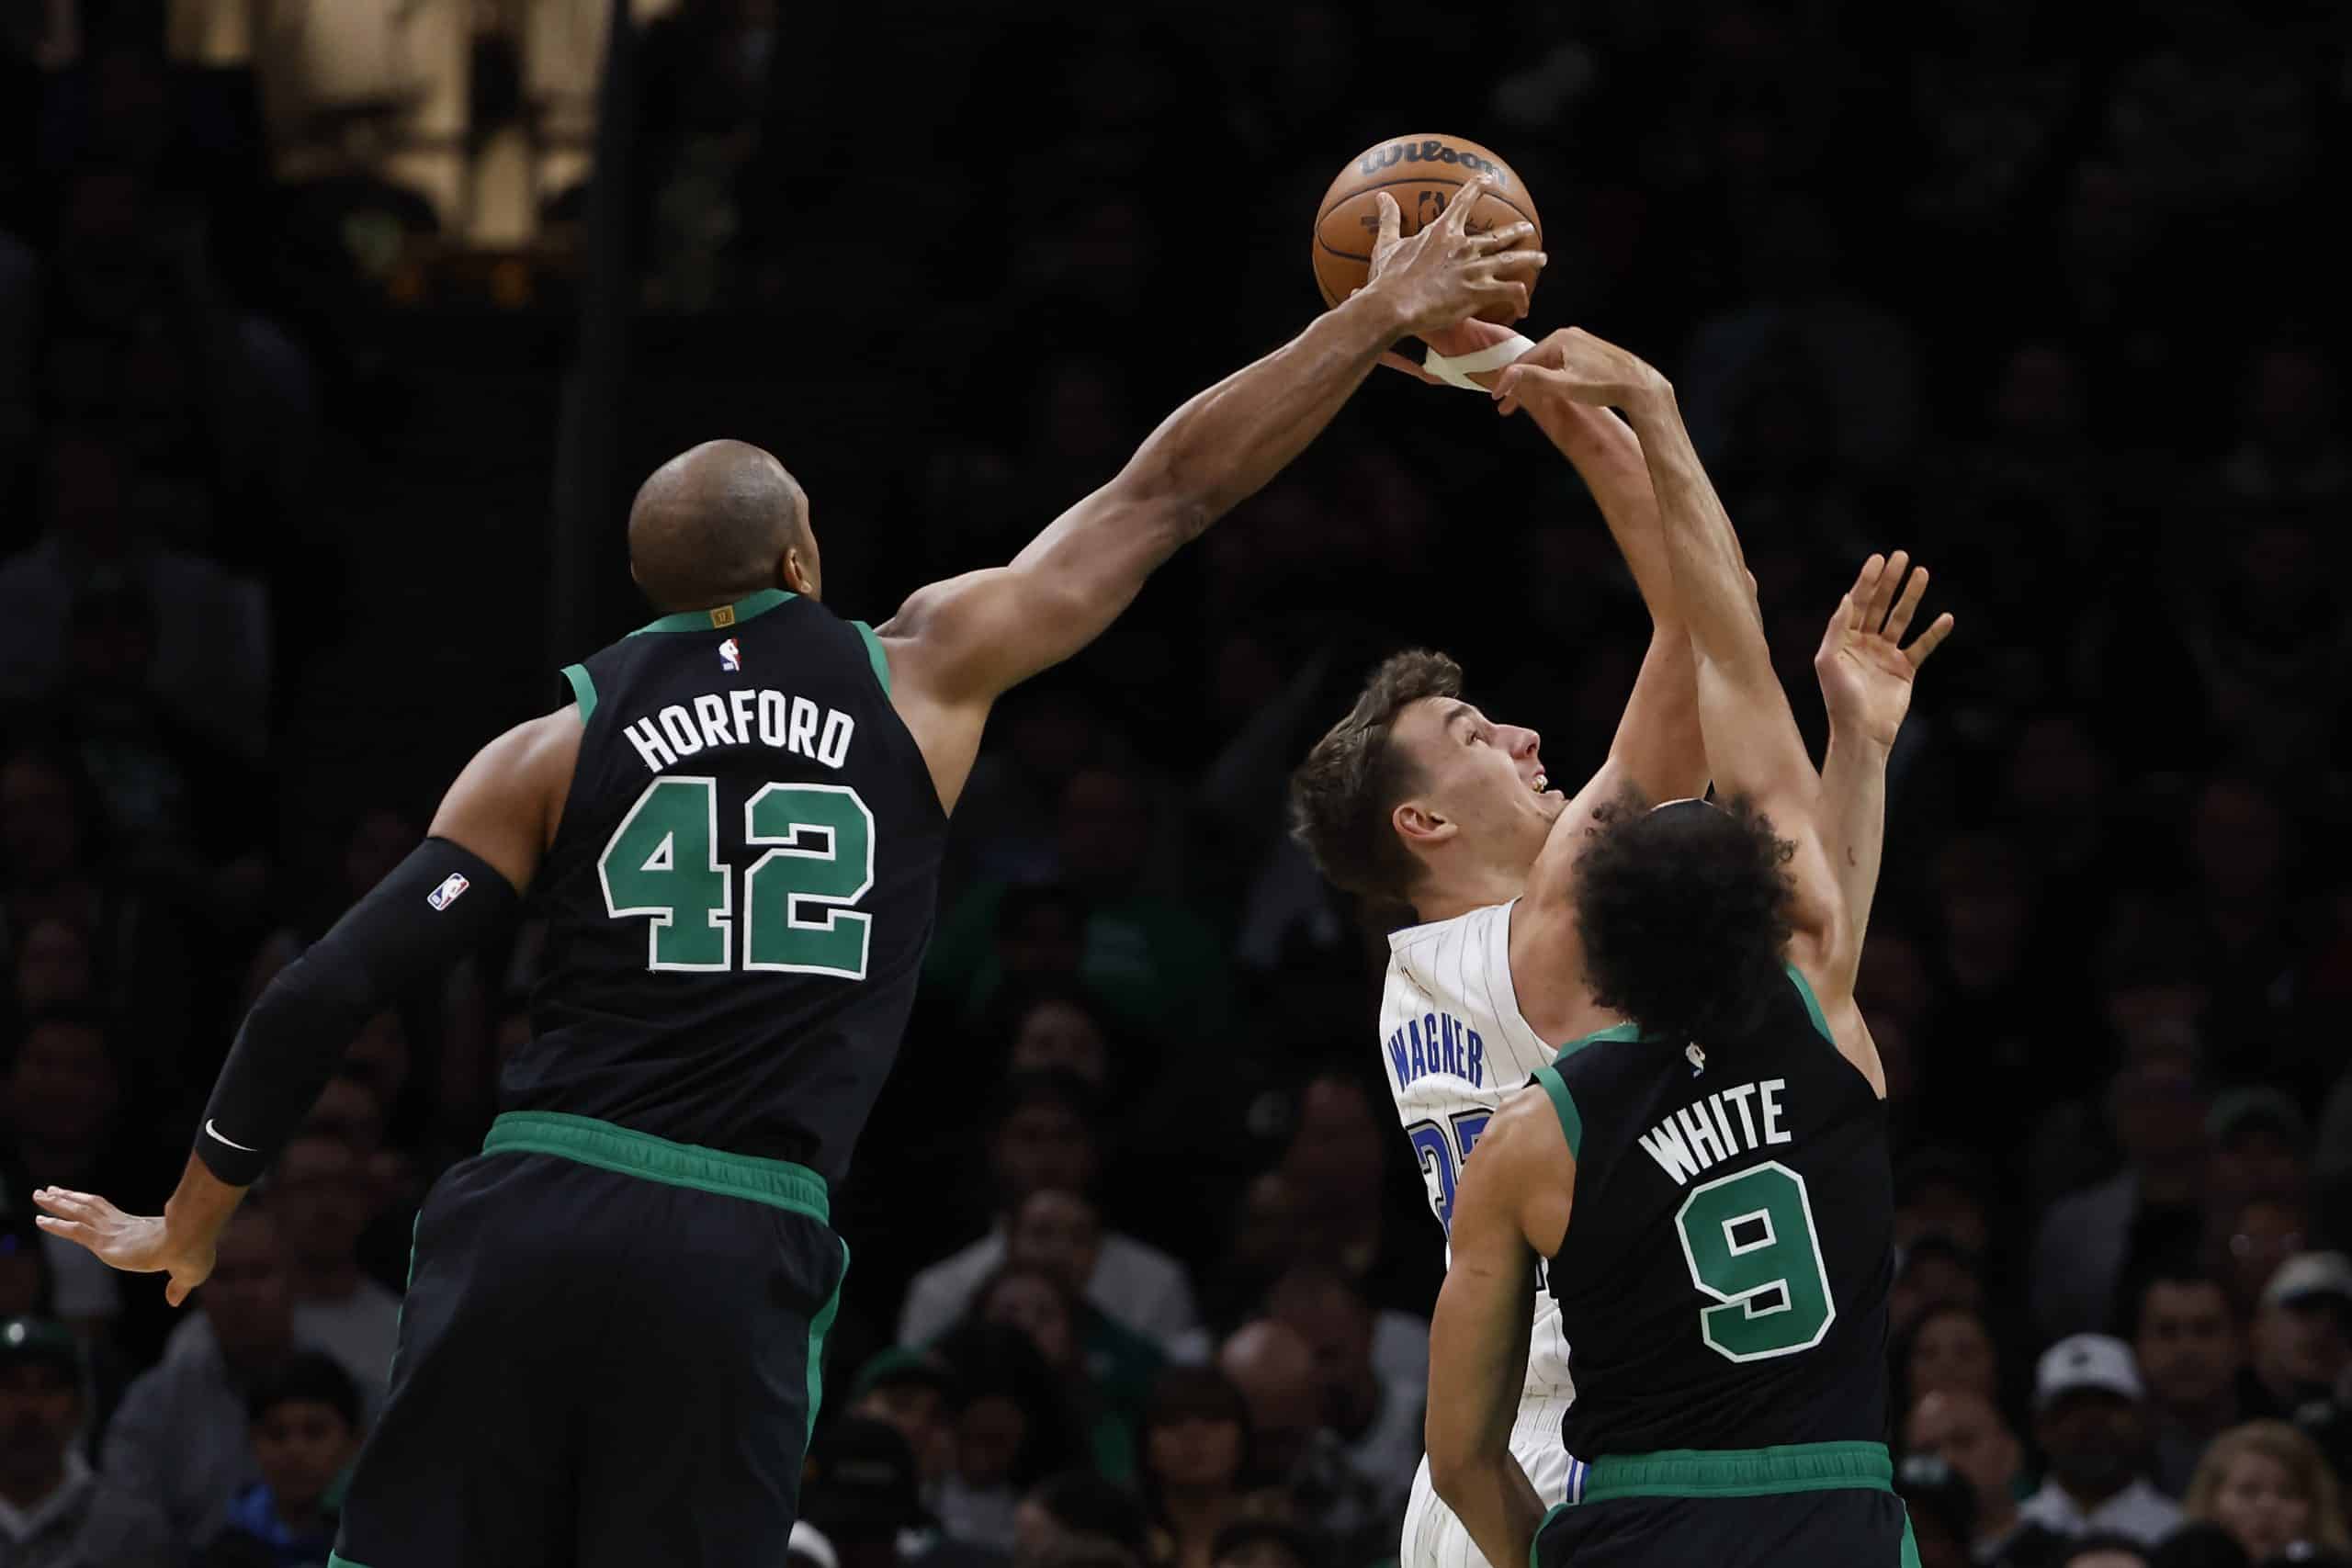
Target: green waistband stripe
[
  {"x": 779, "y": 1183},
  {"x": 1742, "y": 1473},
  {"x": 1571, "y": 1120}
]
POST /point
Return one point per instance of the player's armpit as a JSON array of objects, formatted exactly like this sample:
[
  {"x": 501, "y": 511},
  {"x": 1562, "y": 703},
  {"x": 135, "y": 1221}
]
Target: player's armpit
[{"x": 1512, "y": 1205}]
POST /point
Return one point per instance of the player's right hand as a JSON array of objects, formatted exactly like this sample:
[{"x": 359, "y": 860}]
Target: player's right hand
[
  {"x": 1444, "y": 275},
  {"x": 1581, "y": 366},
  {"x": 137, "y": 1244},
  {"x": 1865, "y": 670}
]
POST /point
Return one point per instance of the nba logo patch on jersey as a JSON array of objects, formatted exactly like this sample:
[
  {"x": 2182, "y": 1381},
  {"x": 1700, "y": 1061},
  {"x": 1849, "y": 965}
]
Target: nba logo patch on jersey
[
  {"x": 730, "y": 656},
  {"x": 447, "y": 894},
  {"x": 1696, "y": 1057}
]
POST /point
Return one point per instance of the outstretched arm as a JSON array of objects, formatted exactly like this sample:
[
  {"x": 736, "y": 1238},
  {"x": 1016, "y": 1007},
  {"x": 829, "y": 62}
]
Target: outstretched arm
[
  {"x": 955, "y": 646},
  {"x": 453, "y": 890},
  {"x": 1866, "y": 677},
  {"x": 1512, "y": 1208}
]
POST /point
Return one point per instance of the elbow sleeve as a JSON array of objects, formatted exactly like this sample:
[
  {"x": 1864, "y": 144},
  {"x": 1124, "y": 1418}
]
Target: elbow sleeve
[{"x": 437, "y": 905}]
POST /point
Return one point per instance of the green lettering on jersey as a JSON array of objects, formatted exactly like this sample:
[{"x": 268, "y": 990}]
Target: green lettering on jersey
[
  {"x": 1749, "y": 1241},
  {"x": 663, "y": 861}
]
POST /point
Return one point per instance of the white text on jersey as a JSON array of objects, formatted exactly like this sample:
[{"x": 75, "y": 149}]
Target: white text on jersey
[
  {"x": 1438, "y": 1043},
  {"x": 1702, "y": 1133},
  {"x": 739, "y": 717}
]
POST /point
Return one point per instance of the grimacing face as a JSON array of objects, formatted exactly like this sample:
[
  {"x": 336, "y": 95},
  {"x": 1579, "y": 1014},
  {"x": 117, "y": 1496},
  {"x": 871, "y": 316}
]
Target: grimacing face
[{"x": 1481, "y": 782}]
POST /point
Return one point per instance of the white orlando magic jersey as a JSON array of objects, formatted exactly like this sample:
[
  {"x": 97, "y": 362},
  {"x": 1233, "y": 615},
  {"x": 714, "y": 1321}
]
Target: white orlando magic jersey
[{"x": 1452, "y": 1044}]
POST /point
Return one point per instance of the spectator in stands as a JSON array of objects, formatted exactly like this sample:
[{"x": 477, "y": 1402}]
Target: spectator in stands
[
  {"x": 1059, "y": 1234},
  {"x": 1965, "y": 1431},
  {"x": 321, "y": 1195},
  {"x": 1013, "y": 1429},
  {"x": 180, "y": 1437},
  {"x": 1950, "y": 1348},
  {"x": 1264, "y": 1544},
  {"x": 1273, "y": 1366},
  {"x": 914, "y": 1392},
  {"x": 1038, "y": 1304},
  {"x": 2266, "y": 1484},
  {"x": 2302, "y": 1334},
  {"x": 861, "y": 1492},
  {"x": 1939, "y": 1194},
  {"x": 1941, "y": 1508},
  {"x": 2104, "y": 1550},
  {"x": 306, "y": 1431},
  {"x": 2159, "y": 1120},
  {"x": 2090, "y": 1420},
  {"x": 1072, "y": 1508},
  {"x": 54, "y": 967},
  {"x": 2261, "y": 1145},
  {"x": 27, "y": 1287},
  {"x": 1195, "y": 1466},
  {"x": 351, "y": 1111},
  {"x": 1379, "y": 1422},
  {"x": 2254, "y": 1241},
  {"x": 1045, "y": 1137},
  {"x": 1060, "y": 1029},
  {"x": 62, "y": 1098},
  {"x": 1932, "y": 1273},
  {"x": 1339, "y": 1149},
  {"x": 2190, "y": 1353},
  {"x": 55, "y": 1512}
]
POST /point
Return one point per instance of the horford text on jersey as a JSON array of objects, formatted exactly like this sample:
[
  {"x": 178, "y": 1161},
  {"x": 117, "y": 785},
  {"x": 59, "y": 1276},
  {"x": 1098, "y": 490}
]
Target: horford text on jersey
[{"x": 741, "y": 718}]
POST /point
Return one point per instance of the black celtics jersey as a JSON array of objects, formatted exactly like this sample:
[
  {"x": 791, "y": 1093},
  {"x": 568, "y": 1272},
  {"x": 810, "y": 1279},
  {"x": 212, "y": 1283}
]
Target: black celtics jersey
[
  {"x": 741, "y": 889},
  {"x": 1724, "y": 1279}
]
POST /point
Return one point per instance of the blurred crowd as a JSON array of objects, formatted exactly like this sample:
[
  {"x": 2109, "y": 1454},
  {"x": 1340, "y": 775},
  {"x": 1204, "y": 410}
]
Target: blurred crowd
[{"x": 1143, "y": 1264}]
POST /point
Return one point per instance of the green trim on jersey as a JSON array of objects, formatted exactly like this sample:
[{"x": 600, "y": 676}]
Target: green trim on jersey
[
  {"x": 583, "y": 690},
  {"x": 1571, "y": 1122},
  {"x": 719, "y": 619},
  {"x": 1741, "y": 1472},
  {"x": 875, "y": 655},
  {"x": 338, "y": 1560},
  {"x": 1628, "y": 1029},
  {"x": 1910, "y": 1543},
  {"x": 819, "y": 1326},
  {"x": 1812, "y": 1004},
  {"x": 779, "y": 1183}
]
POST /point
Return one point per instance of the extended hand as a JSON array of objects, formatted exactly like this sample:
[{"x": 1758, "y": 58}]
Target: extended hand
[
  {"x": 1579, "y": 365},
  {"x": 1445, "y": 274},
  {"x": 137, "y": 1244},
  {"x": 1865, "y": 672}
]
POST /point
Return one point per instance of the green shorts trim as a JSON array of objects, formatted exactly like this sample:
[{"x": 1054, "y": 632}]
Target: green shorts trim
[
  {"x": 779, "y": 1183},
  {"x": 1741, "y": 1472}
]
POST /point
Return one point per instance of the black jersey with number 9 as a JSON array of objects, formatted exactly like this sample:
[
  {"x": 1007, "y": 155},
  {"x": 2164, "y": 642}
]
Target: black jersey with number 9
[{"x": 1724, "y": 1280}]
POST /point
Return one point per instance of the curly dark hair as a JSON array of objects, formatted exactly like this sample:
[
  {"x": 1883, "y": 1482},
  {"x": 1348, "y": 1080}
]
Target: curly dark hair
[
  {"x": 1685, "y": 915},
  {"x": 1340, "y": 797}
]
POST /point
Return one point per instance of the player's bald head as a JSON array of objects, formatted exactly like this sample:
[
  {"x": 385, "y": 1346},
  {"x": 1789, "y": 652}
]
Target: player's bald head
[{"x": 714, "y": 523}]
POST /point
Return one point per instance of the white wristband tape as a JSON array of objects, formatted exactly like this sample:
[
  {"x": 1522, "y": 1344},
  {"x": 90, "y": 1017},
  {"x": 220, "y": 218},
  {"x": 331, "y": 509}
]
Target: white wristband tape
[{"x": 1457, "y": 371}]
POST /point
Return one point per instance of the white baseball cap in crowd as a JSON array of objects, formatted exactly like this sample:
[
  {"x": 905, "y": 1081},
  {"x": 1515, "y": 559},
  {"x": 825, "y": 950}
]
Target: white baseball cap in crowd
[
  {"x": 2086, "y": 1361},
  {"x": 2309, "y": 1275}
]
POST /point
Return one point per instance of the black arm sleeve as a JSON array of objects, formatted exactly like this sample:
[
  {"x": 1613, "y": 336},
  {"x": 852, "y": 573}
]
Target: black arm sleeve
[{"x": 436, "y": 908}]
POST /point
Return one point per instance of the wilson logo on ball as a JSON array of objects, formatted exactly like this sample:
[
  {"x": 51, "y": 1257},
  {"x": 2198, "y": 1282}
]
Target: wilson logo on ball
[{"x": 1430, "y": 151}]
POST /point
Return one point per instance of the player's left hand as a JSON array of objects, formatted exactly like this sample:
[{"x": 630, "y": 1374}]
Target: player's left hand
[
  {"x": 137, "y": 1244},
  {"x": 1865, "y": 672}
]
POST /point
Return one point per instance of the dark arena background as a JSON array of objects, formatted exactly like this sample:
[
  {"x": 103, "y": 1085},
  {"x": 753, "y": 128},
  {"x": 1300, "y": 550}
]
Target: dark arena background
[{"x": 336, "y": 334}]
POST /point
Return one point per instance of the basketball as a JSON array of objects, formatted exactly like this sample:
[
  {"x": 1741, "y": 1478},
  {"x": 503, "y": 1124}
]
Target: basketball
[{"x": 1423, "y": 172}]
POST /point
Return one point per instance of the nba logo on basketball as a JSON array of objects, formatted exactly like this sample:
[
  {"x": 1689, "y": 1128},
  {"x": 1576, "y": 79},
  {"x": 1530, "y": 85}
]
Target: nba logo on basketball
[
  {"x": 730, "y": 656},
  {"x": 447, "y": 894}
]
